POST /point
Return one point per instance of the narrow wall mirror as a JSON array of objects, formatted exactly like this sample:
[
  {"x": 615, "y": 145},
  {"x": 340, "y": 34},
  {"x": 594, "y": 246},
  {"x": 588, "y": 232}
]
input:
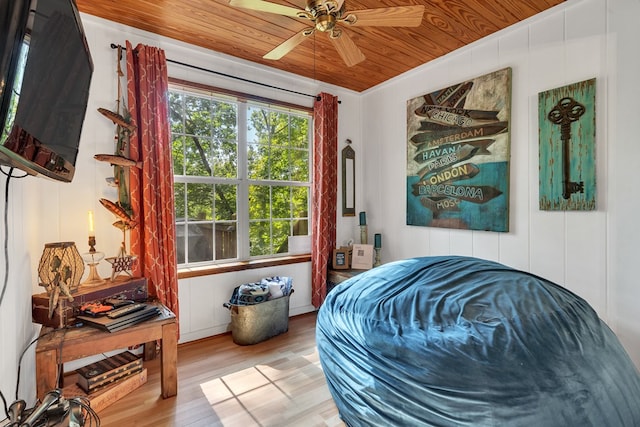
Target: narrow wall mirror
[{"x": 348, "y": 181}]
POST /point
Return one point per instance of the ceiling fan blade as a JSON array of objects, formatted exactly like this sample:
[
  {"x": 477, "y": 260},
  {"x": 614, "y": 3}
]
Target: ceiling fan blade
[
  {"x": 400, "y": 16},
  {"x": 265, "y": 6},
  {"x": 347, "y": 49},
  {"x": 287, "y": 46}
]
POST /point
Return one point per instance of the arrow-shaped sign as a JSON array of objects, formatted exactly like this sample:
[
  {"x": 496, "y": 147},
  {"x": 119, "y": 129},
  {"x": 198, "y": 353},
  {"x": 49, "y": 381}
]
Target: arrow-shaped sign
[
  {"x": 459, "y": 154},
  {"x": 431, "y": 139},
  {"x": 482, "y": 146},
  {"x": 440, "y": 204},
  {"x": 426, "y": 109},
  {"x": 469, "y": 193},
  {"x": 450, "y": 96}
]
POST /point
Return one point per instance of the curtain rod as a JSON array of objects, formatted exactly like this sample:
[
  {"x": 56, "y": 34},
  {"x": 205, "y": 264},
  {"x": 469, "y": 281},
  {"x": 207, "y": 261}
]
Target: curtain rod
[{"x": 317, "y": 97}]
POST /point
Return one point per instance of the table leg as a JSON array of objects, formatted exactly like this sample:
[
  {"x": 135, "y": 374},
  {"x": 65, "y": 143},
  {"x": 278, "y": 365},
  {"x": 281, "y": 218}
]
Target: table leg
[
  {"x": 169, "y": 360},
  {"x": 46, "y": 372},
  {"x": 149, "y": 351}
]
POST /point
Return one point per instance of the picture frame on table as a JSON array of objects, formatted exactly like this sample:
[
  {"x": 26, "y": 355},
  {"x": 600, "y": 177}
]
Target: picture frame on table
[
  {"x": 362, "y": 257},
  {"x": 341, "y": 258}
]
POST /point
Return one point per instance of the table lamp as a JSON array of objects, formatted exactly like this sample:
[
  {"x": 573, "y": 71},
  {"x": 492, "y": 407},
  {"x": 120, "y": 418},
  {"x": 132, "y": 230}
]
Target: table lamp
[{"x": 60, "y": 270}]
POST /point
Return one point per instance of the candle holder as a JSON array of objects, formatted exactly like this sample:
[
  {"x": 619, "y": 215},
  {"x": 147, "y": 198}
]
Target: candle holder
[
  {"x": 377, "y": 261},
  {"x": 363, "y": 235},
  {"x": 92, "y": 259}
]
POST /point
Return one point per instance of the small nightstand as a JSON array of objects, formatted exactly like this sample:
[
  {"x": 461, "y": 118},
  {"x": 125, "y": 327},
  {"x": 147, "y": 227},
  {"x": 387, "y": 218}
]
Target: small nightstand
[{"x": 338, "y": 276}]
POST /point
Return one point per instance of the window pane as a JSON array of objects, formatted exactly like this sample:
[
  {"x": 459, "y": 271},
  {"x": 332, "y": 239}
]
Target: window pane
[
  {"x": 198, "y": 156},
  {"x": 300, "y": 227},
  {"x": 200, "y": 202},
  {"x": 256, "y": 125},
  {"x": 226, "y": 202},
  {"x": 197, "y": 116},
  {"x": 299, "y": 165},
  {"x": 178, "y": 192},
  {"x": 279, "y": 162},
  {"x": 300, "y": 132},
  {"x": 225, "y": 147},
  {"x": 259, "y": 202},
  {"x": 226, "y": 240},
  {"x": 177, "y": 154},
  {"x": 281, "y": 232},
  {"x": 200, "y": 240},
  {"x": 300, "y": 200},
  {"x": 281, "y": 202},
  {"x": 180, "y": 243},
  {"x": 225, "y": 159},
  {"x": 279, "y": 128},
  {"x": 176, "y": 112},
  {"x": 258, "y": 161},
  {"x": 259, "y": 238}
]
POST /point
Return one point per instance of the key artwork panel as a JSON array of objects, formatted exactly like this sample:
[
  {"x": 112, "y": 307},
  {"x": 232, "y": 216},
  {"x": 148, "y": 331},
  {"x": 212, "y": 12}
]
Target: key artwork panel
[
  {"x": 567, "y": 129},
  {"x": 458, "y": 155}
]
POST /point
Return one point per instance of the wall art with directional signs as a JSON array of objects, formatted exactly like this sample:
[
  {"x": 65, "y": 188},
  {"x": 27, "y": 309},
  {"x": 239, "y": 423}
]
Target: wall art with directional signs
[
  {"x": 458, "y": 155},
  {"x": 567, "y": 132}
]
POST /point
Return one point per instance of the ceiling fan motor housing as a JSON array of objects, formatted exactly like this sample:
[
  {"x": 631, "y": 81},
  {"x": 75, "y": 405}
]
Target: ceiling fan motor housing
[{"x": 324, "y": 14}]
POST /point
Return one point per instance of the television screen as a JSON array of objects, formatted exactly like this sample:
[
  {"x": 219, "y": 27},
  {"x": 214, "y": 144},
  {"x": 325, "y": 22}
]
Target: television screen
[{"x": 46, "y": 73}]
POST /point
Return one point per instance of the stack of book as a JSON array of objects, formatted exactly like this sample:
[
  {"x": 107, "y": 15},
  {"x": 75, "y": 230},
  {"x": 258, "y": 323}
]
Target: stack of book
[
  {"x": 122, "y": 317},
  {"x": 98, "y": 375}
]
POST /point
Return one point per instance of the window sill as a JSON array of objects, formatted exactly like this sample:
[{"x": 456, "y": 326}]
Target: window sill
[{"x": 185, "y": 273}]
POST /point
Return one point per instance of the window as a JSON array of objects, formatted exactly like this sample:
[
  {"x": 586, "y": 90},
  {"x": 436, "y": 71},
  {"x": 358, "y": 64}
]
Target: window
[{"x": 242, "y": 176}]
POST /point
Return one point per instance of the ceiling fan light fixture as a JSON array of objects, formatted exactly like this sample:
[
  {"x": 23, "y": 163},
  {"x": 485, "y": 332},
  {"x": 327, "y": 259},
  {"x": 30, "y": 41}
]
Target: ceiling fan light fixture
[
  {"x": 325, "y": 23},
  {"x": 350, "y": 19},
  {"x": 335, "y": 33},
  {"x": 303, "y": 14},
  {"x": 332, "y": 6}
]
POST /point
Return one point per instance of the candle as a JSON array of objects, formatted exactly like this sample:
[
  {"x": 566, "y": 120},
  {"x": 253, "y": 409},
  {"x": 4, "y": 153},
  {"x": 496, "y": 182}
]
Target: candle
[
  {"x": 363, "y": 218},
  {"x": 92, "y": 232},
  {"x": 377, "y": 241}
]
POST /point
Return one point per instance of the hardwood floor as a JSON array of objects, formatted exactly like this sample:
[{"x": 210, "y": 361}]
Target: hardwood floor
[{"x": 278, "y": 382}]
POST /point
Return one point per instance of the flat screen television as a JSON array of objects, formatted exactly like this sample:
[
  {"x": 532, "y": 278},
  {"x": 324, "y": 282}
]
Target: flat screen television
[{"x": 45, "y": 72}]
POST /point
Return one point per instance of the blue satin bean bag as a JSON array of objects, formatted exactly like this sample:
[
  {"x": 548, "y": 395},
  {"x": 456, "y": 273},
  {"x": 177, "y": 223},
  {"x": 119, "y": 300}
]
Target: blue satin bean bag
[{"x": 459, "y": 341}]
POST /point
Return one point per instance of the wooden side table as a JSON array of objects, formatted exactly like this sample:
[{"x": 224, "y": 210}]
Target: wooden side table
[
  {"x": 338, "y": 276},
  {"x": 55, "y": 347}
]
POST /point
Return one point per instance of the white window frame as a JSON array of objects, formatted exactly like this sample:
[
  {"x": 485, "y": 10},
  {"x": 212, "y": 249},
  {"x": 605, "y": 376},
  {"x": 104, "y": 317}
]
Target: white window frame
[{"x": 243, "y": 102}]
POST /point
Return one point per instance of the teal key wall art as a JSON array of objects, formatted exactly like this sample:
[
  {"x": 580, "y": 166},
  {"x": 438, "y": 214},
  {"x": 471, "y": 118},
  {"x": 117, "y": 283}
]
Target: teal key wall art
[{"x": 567, "y": 131}]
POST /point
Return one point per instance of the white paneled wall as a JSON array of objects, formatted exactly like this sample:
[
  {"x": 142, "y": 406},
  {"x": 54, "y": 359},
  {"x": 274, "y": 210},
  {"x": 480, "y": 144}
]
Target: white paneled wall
[
  {"x": 16, "y": 329},
  {"x": 591, "y": 253}
]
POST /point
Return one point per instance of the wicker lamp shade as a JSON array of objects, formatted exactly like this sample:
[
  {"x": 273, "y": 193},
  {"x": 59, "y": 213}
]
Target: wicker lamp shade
[{"x": 61, "y": 266}]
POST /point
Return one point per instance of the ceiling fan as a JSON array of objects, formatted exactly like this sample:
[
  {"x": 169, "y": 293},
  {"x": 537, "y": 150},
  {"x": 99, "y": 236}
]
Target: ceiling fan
[{"x": 326, "y": 15}]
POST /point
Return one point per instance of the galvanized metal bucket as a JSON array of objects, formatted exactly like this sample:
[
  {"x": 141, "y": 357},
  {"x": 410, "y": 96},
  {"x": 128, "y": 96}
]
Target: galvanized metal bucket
[{"x": 251, "y": 324}]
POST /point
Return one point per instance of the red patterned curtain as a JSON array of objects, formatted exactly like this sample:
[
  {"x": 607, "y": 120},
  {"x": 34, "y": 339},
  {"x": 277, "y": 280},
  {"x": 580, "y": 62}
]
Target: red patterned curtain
[
  {"x": 151, "y": 187},
  {"x": 325, "y": 190}
]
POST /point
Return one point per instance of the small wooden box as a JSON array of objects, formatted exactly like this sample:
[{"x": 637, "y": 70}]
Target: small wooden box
[
  {"x": 66, "y": 312},
  {"x": 105, "y": 372},
  {"x": 110, "y": 394}
]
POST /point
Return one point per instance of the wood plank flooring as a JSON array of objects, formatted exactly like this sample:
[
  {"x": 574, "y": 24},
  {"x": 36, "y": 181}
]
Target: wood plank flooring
[{"x": 278, "y": 382}]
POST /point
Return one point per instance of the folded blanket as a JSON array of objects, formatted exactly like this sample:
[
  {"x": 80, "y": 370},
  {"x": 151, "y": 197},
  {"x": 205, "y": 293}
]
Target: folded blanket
[{"x": 264, "y": 290}]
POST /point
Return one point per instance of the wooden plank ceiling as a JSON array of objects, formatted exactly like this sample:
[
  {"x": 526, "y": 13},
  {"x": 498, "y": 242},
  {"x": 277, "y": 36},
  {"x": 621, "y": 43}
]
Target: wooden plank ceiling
[{"x": 213, "y": 24}]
